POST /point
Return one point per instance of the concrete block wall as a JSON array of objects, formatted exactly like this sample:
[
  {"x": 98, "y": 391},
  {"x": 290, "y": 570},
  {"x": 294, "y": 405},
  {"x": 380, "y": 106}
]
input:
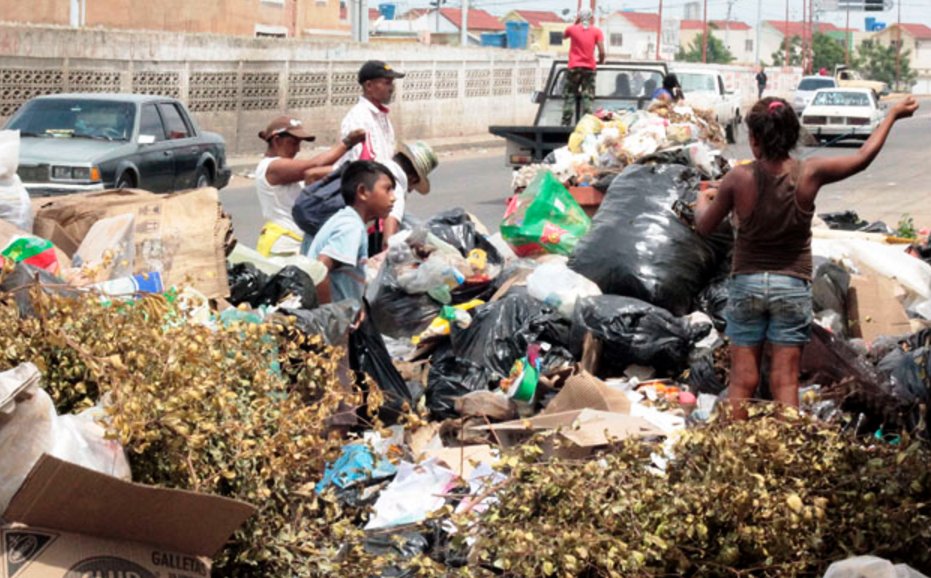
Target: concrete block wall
[{"x": 234, "y": 86}]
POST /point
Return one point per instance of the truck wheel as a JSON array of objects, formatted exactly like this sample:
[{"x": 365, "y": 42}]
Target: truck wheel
[{"x": 732, "y": 131}]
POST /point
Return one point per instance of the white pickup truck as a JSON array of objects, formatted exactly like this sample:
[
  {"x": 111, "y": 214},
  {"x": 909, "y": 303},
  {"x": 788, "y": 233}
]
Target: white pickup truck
[{"x": 704, "y": 88}]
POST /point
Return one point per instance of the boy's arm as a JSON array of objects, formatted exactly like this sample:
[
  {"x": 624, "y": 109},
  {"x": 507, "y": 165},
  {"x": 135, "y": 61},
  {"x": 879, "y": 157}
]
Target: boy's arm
[
  {"x": 323, "y": 289},
  {"x": 824, "y": 170}
]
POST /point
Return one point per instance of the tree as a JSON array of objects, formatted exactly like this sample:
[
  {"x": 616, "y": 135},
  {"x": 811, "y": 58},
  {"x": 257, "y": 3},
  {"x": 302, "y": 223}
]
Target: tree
[
  {"x": 717, "y": 52},
  {"x": 795, "y": 52},
  {"x": 828, "y": 52},
  {"x": 877, "y": 62}
]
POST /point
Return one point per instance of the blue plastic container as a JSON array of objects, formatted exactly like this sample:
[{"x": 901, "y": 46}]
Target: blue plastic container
[
  {"x": 387, "y": 10},
  {"x": 517, "y": 34},
  {"x": 495, "y": 39}
]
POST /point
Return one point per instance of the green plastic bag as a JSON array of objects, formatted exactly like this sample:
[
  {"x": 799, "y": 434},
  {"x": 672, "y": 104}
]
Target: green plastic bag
[
  {"x": 33, "y": 251},
  {"x": 544, "y": 219}
]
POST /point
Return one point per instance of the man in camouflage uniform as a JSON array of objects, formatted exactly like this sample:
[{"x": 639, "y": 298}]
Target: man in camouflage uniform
[{"x": 580, "y": 77}]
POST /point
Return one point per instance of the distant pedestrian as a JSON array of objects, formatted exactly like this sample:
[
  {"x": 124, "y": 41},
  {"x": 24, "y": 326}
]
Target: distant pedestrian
[
  {"x": 760, "y": 82},
  {"x": 584, "y": 38},
  {"x": 773, "y": 202},
  {"x": 280, "y": 176}
]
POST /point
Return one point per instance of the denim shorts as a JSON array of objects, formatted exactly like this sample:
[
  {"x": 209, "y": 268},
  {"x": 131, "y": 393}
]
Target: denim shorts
[{"x": 768, "y": 307}]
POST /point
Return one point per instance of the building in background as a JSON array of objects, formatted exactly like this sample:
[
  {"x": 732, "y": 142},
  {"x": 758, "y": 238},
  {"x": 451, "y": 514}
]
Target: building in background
[
  {"x": 738, "y": 37},
  {"x": 541, "y": 23},
  {"x": 443, "y": 26},
  {"x": 915, "y": 38},
  {"x": 774, "y": 31},
  {"x": 630, "y": 35},
  {"x": 279, "y": 18}
]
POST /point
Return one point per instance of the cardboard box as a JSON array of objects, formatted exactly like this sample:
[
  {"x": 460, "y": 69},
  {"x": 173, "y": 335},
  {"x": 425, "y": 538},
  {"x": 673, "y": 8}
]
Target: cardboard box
[
  {"x": 573, "y": 434},
  {"x": 70, "y": 522},
  {"x": 874, "y": 309},
  {"x": 584, "y": 390},
  {"x": 462, "y": 460},
  {"x": 52, "y": 231},
  {"x": 180, "y": 235}
]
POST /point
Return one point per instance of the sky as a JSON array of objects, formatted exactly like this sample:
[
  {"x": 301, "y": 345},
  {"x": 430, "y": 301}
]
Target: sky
[{"x": 744, "y": 10}]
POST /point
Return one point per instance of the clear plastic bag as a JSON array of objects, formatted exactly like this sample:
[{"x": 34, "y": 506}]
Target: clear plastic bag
[
  {"x": 15, "y": 206},
  {"x": 560, "y": 287}
]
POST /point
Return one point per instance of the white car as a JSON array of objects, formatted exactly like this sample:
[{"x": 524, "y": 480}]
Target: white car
[
  {"x": 704, "y": 88},
  {"x": 806, "y": 89},
  {"x": 837, "y": 113}
]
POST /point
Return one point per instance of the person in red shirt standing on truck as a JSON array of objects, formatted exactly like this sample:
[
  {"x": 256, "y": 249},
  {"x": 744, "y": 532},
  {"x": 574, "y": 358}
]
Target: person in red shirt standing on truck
[{"x": 580, "y": 78}]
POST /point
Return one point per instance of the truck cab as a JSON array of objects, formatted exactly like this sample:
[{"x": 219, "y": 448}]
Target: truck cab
[
  {"x": 849, "y": 78},
  {"x": 618, "y": 86}
]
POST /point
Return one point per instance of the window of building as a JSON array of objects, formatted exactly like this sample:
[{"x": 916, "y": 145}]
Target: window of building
[
  {"x": 748, "y": 45},
  {"x": 555, "y": 38},
  {"x": 616, "y": 39},
  {"x": 175, "y": 125},
  {"x": 265, "y": 31}
]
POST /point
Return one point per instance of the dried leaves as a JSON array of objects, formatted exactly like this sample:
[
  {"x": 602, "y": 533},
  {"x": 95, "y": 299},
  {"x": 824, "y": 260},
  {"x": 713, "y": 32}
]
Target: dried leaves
[{"x": 768, "y": 497}]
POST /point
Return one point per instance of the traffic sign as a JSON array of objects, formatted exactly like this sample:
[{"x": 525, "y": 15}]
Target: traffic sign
[{"x": 857, "y": 5}]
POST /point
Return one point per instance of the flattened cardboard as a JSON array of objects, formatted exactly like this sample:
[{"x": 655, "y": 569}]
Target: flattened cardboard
[
  {"x": 584, "y": 390},
  {"x": 53, "y": 232},
  {"x": 68, "y": 498},
  {"x": 574, "y": 433},
  {"x": 181, "y": 235},
  {"x": 460, "y": 460},
  {"x": 873, "y": 308}
]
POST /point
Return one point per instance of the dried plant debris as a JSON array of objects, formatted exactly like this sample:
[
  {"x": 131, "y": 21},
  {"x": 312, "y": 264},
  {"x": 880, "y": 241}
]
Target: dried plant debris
[{"x": 773, "y": 496}]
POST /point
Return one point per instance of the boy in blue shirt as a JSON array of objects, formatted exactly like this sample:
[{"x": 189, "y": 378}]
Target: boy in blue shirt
[{"x": 342, "y": 242}]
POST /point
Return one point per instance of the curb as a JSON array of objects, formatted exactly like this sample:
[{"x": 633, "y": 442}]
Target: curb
[{"x": 244, "y": 165}]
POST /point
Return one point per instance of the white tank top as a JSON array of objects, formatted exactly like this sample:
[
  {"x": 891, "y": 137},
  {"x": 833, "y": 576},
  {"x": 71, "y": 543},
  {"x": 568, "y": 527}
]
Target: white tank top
[{"x": 276, "y": 202}]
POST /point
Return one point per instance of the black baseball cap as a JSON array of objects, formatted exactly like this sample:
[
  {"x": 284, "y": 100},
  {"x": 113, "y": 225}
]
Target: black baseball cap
[{"x": 377, "y": 69}]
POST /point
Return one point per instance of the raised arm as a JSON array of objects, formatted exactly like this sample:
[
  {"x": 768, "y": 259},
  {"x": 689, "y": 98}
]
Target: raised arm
[
  {"x": 283, "y": 171},
  {"x": 714, "y": 205},
  {"x": 824, "y": 171}
]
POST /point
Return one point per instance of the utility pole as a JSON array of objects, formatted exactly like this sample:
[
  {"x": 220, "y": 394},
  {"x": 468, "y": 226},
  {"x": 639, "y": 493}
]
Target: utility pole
[
  {"x": 785, "y": 36},
  {"x": 804, "y": 36},
  {"x": 759, "y": 25},
  {"x": 659, "y": 29},
  {"x": 847, "y": 38},
  {"x": 704, "y": 40},
  {"x": 727, "y": 25},
  {"x": 898, "y": 45},
  {"x": 464, "y": 28}
]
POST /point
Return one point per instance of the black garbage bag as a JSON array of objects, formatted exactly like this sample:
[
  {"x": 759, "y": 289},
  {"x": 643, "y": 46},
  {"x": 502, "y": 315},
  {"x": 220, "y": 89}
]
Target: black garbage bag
[
  {"x": 246, "y": 282},
  {"x": 829, "y": 288},
  {"x": 456, "y": 228},
  {"x": 330, "y": 320},
  {"x": 396, "y": 312},
  {"x": 451, "y": 378},
  {"x": 909, "y": 380},
  {"x": 369, "y": 355},
  {"x": 634, "y": 332},
  {"x": 878, "y": 227},
  {"x": 637, "y": 245},
  {"x": 704, "y": 377},
  {"x": 713, "y": 301},
  {"x": 843, "y": 220},
  {"x": 289, "y": 281},
  {"x": 500, "y": 333},
  {"x": 401, "y": 546}
]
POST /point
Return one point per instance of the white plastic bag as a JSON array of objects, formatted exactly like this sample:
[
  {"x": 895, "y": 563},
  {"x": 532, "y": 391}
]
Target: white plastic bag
[
  {"x": 555, "y": 284},
  {"x": 15, "y": 206},
  {"x": 870, "y": 567},
  {"x": 29, "y": 427}
]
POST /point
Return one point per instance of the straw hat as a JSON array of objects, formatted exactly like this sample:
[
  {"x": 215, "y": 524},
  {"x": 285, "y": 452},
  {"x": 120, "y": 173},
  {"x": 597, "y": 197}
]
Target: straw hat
[{"x": 424, "y": 160}]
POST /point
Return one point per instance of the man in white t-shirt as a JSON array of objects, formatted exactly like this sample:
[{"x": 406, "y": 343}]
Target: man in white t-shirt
[
  {"x": 371, "y": 114},
  {"x": 280, "y": 176}
]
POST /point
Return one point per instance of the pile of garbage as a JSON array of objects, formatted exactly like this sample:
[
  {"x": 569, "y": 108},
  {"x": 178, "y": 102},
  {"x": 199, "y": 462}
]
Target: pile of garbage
[
  {"x": 607, "y": 141},
  {"x": 540, "y": 400}
]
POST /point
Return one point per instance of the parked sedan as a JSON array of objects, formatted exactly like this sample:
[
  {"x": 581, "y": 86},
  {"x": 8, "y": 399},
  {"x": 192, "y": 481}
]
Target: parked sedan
[
  {"x": 806, "y": 89},
  {"x": 85, "y": 142},
  {"x": 842, "y": 113}
]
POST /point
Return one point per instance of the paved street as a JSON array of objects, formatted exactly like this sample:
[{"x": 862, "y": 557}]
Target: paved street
[{"x": 477, "y": 180}]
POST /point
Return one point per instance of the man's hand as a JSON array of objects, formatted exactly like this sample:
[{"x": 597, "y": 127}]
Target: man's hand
[
  {"x": 354, "y": 138},
  {"x": 905, "y": 108}
]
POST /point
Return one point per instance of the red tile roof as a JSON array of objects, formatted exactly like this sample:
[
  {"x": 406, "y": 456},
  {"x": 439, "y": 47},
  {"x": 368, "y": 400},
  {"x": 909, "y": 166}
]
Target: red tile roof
[
  {"x": 796, "y": 28},
  {"x": 535, "y": 18},
  {"x": 919, "y": 31},
  {"x": 642, "y": 20},
  {"x": 719, "y": 24},
  {"x": 478, "y": 19}
]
